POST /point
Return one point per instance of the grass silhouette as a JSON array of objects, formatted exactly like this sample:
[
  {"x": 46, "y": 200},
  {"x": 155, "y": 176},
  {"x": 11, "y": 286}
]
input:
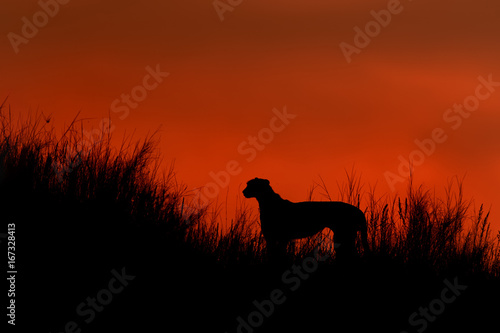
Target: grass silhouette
[{"x": 82, "y": 210}]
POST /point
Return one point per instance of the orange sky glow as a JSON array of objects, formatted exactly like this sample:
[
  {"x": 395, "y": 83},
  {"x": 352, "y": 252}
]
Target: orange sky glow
[{"x": 284, "y": 90}]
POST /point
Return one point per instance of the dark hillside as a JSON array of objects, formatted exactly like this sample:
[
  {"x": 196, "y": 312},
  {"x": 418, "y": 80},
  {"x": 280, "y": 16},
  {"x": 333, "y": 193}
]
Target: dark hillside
[{"x": 102, "y": 245}]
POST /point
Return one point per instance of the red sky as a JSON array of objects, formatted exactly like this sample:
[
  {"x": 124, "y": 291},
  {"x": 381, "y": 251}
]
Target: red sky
[{"x": 226, "y": 77}]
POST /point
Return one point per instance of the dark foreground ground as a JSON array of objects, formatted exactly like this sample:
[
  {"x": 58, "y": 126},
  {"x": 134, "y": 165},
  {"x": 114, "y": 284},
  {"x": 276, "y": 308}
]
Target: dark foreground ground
[{"x": 74, "y": 274}]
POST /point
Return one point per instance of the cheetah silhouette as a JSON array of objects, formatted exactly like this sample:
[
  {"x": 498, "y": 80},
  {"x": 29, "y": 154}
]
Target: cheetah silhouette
[{"x": 283, "y": 220}]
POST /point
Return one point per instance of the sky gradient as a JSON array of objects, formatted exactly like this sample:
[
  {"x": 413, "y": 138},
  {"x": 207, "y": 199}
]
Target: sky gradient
[{"x": 228, "y": 78}]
